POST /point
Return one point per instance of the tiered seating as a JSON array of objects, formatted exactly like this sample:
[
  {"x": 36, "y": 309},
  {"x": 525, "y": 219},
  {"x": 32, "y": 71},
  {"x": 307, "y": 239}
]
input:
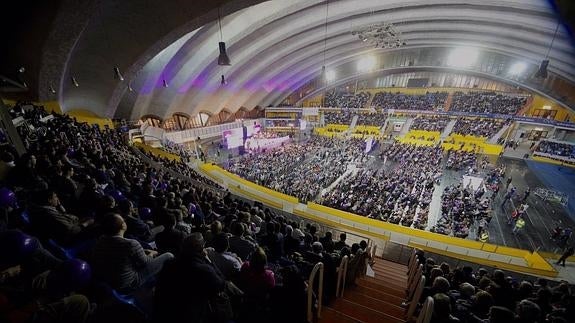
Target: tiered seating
[
  {"x": 487, "y": 102},
  {"x": 400, "y": 101},
  {"x": 344, "y": 100}
]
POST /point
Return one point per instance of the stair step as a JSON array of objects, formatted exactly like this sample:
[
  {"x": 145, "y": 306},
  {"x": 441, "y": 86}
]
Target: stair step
[
  {"x": 380, "y": 287},
  {"x": 379, "y": 305},
  {"x": 330, "y": 315},
  {"x": 389, "y": 273},
  {"x": 380, "y": 263},
  {"x": 378, "y": 294},
  {"x": 388, "y": 282},
  {"x": 363, "y": 313}
]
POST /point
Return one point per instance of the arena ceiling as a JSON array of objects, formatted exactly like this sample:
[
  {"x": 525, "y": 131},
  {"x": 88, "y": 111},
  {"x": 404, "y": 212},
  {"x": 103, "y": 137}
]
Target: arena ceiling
[{"x": 275, "y": 47}]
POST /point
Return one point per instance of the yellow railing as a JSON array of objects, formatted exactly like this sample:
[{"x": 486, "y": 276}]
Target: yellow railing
[
  {"x": 158, "y": 152},
  {"x": 535, "y": 263}
]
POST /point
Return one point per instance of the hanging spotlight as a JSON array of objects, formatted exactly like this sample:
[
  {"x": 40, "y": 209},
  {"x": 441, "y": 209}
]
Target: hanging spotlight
[
  {"x": 74, "y": 82},
  {"x": 223, "y": 81},
  {"x": 21, "y": 70},
  {"x": 165, "y": 83},
  {"x": 117, "y": 74},
  {"x": 542, "y": 71},
  {"x": 51, "y": 88},
  {"x": 223, "y": 59},
  {"x": 130, "y": 87}
]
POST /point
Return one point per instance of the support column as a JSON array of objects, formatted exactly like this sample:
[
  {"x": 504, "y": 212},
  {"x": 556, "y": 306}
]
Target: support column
[{"x": 9, "y": 129}]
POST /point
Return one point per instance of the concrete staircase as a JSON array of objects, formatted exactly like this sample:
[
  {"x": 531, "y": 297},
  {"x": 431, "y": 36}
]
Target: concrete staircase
[
  {"x": 448, "y": 101},
  {"x": 353, "y": 122},
  {"x": 448, "y": 129},
  {"x": 501, "y": 132},
  {"x": 372, "y": 299},
  {"x": 406, "y": 126}
]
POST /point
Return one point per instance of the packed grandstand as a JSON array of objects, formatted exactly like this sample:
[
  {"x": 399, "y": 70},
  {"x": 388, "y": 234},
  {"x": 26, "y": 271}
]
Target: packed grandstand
[{"x": 350, "y": 161}]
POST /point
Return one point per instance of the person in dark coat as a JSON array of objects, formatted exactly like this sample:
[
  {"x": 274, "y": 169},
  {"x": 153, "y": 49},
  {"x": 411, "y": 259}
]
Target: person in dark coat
[{"x": 186, "y": 285}]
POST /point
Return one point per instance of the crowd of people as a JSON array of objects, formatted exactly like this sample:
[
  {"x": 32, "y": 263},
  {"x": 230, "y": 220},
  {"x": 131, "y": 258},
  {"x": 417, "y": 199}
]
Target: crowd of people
[
  {"x": 487, "y": 102},
  {"x": 301, "y": 169},
  {"x": 465, "y": 295},
  {"x": 400, "y": 196},
  {"x": 430, "y": 123},
  {"x": 461, "y": 208},
  {"x": 461, "y": 160},
  {"x": 556, "y": 148},
  {"x": 346, "y": 100},
  {"x": 86, "y": 221},
  {"x": 400, "y": 101},
  {"x": 346, "y": 116},
  {"x": 478, "y": 127}
]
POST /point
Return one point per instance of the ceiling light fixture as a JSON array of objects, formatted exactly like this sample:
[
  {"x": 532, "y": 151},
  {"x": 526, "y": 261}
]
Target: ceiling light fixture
[
  {"x": 223, "y": 58},
  {"x": 223, "y": 80},
  {"x": 542, "y": 71},
  {"x": 165, "y": 83},
  {"x": 117, "y": 74},
  {"x": 52, "y": 90},
  {"x": 74, "y": 82}
]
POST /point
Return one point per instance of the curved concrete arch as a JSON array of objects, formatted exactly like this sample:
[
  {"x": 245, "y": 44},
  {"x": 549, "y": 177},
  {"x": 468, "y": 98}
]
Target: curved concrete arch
[
  {"x": 275, "y": 46},
  {"x": 517, "y": 36}
]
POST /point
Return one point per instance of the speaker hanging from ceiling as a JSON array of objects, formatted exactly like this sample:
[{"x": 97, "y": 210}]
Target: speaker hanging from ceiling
[
  {"x": 542, "y": 71},
  {"x": 223, "y": 59}
]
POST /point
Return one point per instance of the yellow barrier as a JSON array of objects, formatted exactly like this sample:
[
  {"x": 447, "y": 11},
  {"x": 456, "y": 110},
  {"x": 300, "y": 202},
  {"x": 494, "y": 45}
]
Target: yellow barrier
[
  {"x": 412, "y": 138},
  {"x": 425, "y": 235},
  {"x": 265, "y": 190},
  {"x": 537, "y": 264},
  {"x": 547, "y": 272},
  {"x": 158, "y": 152},
  {"x": 90, "y": 118},
  {"x": 339, "y": 225},
  {"x": 471, "y": 143}
]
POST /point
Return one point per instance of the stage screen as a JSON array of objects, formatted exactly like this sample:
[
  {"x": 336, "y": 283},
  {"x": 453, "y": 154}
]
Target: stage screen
[{"x": 233, "y": 138}]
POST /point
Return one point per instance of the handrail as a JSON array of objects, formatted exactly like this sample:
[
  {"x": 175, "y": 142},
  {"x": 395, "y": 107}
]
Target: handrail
[
  {"x": 415, "y": 300},
  {"x": 426, "y": 311},
  {"x": 341, "y": 276},
  {"x": 312, "y": 276}
]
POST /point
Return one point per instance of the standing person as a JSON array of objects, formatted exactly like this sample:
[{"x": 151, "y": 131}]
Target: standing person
[
  {"x": 526, "y": 194},
  {"x": 568, "y": 253},
  {"x": 519, "y": 225},
  {"x": 508, "y": 197}
]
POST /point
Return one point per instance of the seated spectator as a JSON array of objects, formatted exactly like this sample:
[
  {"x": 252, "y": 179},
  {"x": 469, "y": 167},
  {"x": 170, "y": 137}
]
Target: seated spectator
[
  {"x": 442, "y": 309},
  {"x": 341, "y": 243},
  {"x": 238, "y": 243},
  {"x": 327, "y": 242},
  {"x": 187, "y": 284},
  {"x": 527, "y": 312},
  {"x": 171, "y": 238},
  {"x": 137, "y": 229},
  {"x": 289, "y": 300},
  {"x": 121, "y": 262},
  {"x": 48, "y": 218},
  {"x": 255, "y": 279},
  {"x": 228, "y": 263}
]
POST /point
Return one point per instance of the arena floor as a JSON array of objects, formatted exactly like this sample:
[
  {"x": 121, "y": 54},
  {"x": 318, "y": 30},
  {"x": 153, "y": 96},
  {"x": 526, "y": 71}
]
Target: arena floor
[{"x": 542, "y": 216}]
